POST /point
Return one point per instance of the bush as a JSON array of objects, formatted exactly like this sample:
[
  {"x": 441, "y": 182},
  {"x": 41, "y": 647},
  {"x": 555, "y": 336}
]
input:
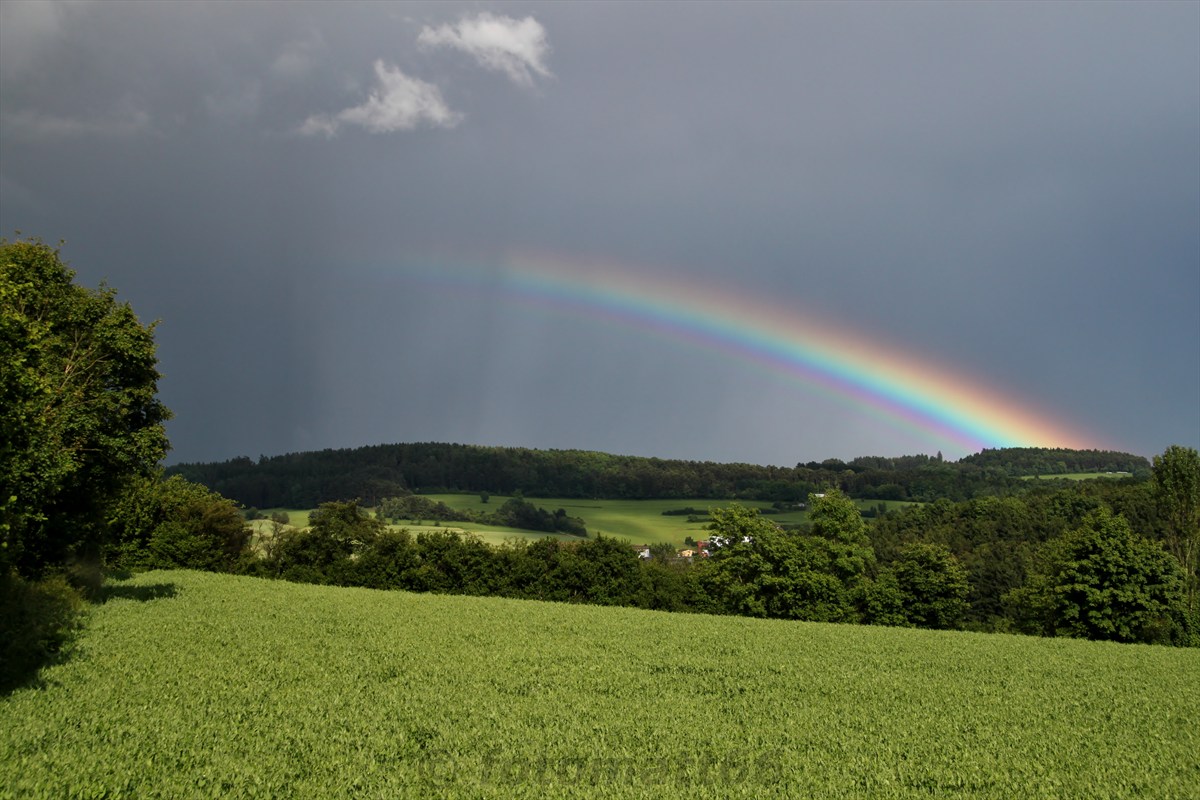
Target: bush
[{"x": 174, "y": 523}]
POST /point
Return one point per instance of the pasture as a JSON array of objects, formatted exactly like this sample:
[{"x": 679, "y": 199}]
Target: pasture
[
  {"x": 191, "y": 684},
  {"x": 639, "y": 521}
]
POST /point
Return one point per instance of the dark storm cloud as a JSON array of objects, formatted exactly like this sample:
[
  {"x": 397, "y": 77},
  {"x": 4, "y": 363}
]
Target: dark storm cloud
[{"x": 1011, "y": 189}]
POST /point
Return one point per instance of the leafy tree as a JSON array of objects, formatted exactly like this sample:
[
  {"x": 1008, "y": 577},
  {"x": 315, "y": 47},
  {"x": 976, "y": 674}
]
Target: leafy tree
[
  {"x": 836, "y": 518},
  {"x": 79, "y": 412},
  {"x": 1102, "y": 581},
  {"x": 452, "y": 562},
  {"x": 387, "y": 562},
  {"x": 881, "y": 601},
  {"x": 346, "y": 525},
  {"x": 1177, "y": 495},
  {"x": 175, "y": 523},
  {"x": 322, "y": 552},
  {"x": 759, "y": 570},
  {"x": 933, "y": 585}
]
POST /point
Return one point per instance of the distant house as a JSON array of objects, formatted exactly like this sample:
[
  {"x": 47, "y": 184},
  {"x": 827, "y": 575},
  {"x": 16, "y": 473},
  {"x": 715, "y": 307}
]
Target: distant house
[
  {"x": 643, "y": 550},
  {"x": 688, "y": 553}
]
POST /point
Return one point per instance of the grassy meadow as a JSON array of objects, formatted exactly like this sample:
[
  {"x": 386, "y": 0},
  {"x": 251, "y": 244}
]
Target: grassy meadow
[
  {"x": 189, "y": 684},
  {"x": 639, "y": 521}
]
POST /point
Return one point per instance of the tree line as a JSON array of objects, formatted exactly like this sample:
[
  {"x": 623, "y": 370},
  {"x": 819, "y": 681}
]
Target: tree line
[
  {"x": 304, "y": 480},
  {"x": 827, "y": 574},
  {"x": 1083, "y": 572}
]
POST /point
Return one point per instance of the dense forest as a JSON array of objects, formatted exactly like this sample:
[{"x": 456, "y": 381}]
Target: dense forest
[{"x": 304, "y": 480}]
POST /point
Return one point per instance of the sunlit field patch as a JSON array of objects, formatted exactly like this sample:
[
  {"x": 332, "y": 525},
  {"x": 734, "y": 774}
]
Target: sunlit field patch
[{"x": 200, "y": 685}]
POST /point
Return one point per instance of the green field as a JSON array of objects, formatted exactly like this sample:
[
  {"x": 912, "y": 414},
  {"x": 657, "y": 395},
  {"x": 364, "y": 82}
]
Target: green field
[
  {"x": 200, "y": 685},
  {"x": 640, "y": 521}
]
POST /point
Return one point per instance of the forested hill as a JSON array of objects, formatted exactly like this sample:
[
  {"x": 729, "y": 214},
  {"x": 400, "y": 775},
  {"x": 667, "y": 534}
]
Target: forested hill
[
  {"x": 1057, "y": 461},
  {"x": 304, "y": 480}
]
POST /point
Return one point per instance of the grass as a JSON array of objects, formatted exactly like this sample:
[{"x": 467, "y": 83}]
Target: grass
[
  {"x": 640, "y": 521},
  {"x": 198, "y": 685}
]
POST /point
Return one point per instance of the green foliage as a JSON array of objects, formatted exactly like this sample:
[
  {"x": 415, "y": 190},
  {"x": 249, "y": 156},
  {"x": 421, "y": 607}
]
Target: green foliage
[
  {"x": 79, "y": 413},
  {"x": 835, "y": 518},
  {"x": 519, "y": 513},
  {"x": 305, "y": 479},
  {"x": 37, "y": 619},
  {"x": 516, "y": 512},
  {"x": 240, "y": 688},
  {"x": 417, "y": 507},
  {"x": 172, "y": 523},
  {"x": 759, "y": 570},
  {"x": 995, "y": 538},
  {"x": 1102, "y": 581},
  {"x": 388, "y": 561},
  {"x": 1177, "y": 496},
  {"x": 881, "y": 601},
  {"x": 1056, "y": 461},
  {"x": 346, "y": 525},
  {"x": 932, "y": 585},
  {"x": 323, "y": 552}
]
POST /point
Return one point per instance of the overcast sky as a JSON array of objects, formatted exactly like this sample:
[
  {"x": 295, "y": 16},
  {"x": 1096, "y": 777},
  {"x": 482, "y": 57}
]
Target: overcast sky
[{"x": 1010, "y": 191}]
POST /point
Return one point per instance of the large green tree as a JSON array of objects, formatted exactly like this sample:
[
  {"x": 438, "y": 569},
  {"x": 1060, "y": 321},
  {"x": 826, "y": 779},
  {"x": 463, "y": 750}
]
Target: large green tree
[
  {"x": 1177, "y": 495},
  {"x": 759, "y": 570},
  {"x": 79, "y": 408},
  {"x": 338, "y": 533},
  {"x": 837, "y": 520},
  {"x": 175, "y": 523},
  {"x": 933, "y": 585},
  {"x": 1102, "y": 581}
]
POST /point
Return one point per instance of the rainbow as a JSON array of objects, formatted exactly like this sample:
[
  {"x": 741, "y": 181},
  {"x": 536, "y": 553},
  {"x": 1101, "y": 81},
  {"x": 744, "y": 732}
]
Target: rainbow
[{"x": 937, "y": 403}]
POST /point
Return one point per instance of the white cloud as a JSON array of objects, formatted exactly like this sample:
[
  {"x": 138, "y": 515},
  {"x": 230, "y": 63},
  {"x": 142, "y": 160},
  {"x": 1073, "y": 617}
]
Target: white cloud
[
  {"x": 397, "y": 103},
  {"x": 517, "y": 48}
]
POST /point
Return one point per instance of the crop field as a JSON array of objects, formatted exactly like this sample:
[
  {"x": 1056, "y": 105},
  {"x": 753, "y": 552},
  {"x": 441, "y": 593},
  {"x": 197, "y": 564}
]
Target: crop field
[{"x": 199, "y": 685}]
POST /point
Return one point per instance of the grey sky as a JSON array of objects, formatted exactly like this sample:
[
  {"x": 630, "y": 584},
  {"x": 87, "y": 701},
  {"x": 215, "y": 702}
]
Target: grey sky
[{"x": 1010, "y": 190}]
